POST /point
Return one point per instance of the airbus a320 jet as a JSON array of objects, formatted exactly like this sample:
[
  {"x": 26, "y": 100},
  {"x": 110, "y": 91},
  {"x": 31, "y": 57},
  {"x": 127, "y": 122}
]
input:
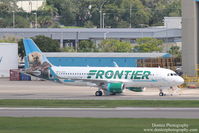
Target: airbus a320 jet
[{"x": 109, "y": 80}]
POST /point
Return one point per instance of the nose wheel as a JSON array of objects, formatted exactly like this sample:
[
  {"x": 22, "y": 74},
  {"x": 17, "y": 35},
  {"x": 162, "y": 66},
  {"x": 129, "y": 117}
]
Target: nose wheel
[
  {"x": 98, "y": 93},
  {"x": 161, "y": 93}
]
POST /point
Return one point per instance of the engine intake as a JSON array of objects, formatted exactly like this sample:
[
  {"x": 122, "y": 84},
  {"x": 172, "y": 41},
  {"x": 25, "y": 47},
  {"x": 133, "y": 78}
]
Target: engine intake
[{"x": 113, "y": 88}]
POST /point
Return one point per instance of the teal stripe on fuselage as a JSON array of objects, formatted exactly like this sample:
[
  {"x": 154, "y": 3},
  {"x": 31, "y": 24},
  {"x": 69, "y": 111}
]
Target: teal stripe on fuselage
[{"x": 69, "y": 81}]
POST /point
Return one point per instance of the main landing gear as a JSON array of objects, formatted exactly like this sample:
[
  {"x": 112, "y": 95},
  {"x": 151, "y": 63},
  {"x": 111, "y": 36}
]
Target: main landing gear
[{"x": 98, "y": 93}]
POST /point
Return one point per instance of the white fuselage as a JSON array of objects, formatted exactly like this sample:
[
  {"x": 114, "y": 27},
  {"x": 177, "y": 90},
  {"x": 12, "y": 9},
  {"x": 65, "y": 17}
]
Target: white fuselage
[{"x": 130, "y": 76}]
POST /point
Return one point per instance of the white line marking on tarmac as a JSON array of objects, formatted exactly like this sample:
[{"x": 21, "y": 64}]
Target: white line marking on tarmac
[{"x": 102, "y": 109}]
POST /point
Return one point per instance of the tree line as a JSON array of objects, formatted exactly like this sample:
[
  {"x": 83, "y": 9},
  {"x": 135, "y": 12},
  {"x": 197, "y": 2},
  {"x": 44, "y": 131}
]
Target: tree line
[
  {"x": 86, "y": 13},
  {"x": 144, "y": 45}
]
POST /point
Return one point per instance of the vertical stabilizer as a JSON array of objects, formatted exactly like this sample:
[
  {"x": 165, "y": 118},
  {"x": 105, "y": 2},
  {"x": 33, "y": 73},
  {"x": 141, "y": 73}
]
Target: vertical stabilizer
[{"x": 36, "y": 63}]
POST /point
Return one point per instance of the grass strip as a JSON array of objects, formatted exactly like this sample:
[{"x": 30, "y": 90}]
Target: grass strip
[
  {"x": 97, "y": 103},
  {"x": 90, "y": 125}
]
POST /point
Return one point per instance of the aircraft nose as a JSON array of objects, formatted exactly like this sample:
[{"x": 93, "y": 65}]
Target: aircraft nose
[{"x": 180, "y": 80}]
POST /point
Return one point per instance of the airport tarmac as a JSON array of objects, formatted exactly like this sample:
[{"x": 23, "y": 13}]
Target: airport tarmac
[
  {"x": 102, "y": 112},
  {"x": 51, "y": 90}
]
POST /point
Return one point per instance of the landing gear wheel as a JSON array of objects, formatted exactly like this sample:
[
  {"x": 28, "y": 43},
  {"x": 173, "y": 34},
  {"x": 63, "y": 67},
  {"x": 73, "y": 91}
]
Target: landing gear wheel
[
  {"x": 161, "y": 94},
  {"x": 98, "y": 93}
]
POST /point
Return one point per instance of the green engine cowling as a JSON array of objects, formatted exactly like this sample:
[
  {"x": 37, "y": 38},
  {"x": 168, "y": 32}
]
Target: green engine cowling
[
  {"x": 114, "y": 88},
  {"x": 136, "y": 89}
]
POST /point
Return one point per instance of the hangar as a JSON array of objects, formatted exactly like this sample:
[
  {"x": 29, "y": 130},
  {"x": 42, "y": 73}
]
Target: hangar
[{"x": 101, "y": 59}]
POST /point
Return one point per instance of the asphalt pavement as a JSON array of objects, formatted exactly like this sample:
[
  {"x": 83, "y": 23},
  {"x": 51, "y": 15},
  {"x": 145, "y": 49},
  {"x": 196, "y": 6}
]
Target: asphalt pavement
[
  {"x": 102, "y": 112},
  {"x": 51, "y": 90}
]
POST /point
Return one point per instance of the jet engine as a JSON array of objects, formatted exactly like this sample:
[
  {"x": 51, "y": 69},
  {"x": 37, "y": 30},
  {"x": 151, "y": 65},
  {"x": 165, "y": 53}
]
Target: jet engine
[{"x": 113, "y": 88}]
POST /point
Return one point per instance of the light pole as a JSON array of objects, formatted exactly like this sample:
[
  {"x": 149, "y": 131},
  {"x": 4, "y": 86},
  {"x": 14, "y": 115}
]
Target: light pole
[
  {"x": 35, "y": 20},
  {"x": 101, "y": 13},
  {"x": 30, "y": 5},
  {"x": 13, "y": 19},
  {"x": 103, "y": 24}
]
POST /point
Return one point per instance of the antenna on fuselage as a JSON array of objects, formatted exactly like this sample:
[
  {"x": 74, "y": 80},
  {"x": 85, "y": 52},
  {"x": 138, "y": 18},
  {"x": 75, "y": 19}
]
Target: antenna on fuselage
[{"x": 115, "y": 64}]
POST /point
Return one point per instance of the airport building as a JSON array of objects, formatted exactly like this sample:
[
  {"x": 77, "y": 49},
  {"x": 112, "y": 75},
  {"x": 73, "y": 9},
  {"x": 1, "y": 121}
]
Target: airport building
[
  {"x": 8, "y": 58},
  {"x": 71, "y": 37},
  {"x": 30, "y": 5},
  {"x": 101, "y": 59},
  {"x": 190, "y": 33}
]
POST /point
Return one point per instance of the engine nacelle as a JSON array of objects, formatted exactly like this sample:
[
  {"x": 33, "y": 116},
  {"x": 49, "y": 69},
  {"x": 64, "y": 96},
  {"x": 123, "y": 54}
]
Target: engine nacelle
[
  {"x": 113, "y": 88},
  {"x": 136, "y": 89}
]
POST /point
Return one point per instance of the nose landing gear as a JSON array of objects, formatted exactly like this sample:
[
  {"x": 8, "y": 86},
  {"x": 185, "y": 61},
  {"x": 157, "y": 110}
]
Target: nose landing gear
[{"x": 161, "y": 93}]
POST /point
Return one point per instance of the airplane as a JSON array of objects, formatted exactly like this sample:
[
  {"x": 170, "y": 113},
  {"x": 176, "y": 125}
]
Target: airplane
[{"x": 109, "y": 80}]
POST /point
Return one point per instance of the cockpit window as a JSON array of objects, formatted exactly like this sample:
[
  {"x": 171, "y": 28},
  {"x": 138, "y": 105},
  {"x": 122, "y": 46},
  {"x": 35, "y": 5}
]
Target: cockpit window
[{"x": 172, "y": 74}]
